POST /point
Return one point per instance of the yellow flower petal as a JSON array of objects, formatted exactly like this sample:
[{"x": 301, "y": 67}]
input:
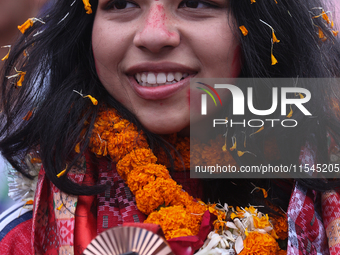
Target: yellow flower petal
[
  {"x": 290, "y": 114},
  {"x": 62, "y": 172},
  {"x": 60, "y": 206},
  {"x": 87, "y": 6},
  {"x": 244, "y": 30},
  {"x": 252, "y": 1},
  {"x": 93, "y": 100},
  {"x": 21, "y": 79},
  {"x": 335, "y": 33},
  {"x": 77, "y": 148},
  {"x": 240, "y": 153},
  {"x": 7, "y": 55},
  {"x": 28, "y": 116},
  {"x": 274, "y": 60},
  {"x": 259, "y": 130},
  {"x": 28, "y": 23},
  {"x": 275, "y": 40},
  {"x": 325, "y": 17},
  {"x": 322, "y": 35}
]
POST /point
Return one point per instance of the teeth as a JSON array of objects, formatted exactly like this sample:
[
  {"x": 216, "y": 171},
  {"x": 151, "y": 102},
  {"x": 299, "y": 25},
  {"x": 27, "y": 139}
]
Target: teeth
[
  {"x": 143, "y": 78},
  {"x": 170, "y": 77},
  {"x": 150, "y": 79},
  {"x": 178, "y": 76},
  {"x": 161, "y": 78},
  {"x": 138, "y": 77}
]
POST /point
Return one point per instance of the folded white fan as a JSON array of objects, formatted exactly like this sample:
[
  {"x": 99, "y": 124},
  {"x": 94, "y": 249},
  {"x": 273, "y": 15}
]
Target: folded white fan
[{"x": 128, "y": 241}]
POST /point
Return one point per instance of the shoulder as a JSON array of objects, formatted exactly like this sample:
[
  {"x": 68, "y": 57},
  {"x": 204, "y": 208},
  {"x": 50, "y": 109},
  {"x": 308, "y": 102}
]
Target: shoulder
[{"x": 15, "y": 230}]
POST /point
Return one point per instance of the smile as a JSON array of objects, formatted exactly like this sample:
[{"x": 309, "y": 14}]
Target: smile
[{"x": 153, "y": 79}]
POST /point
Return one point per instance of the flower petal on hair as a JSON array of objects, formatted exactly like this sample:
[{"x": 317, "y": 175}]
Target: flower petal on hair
[
  {"x": 21, "y": 79},
  {"x": 28, "y": 23},
  {"x": 87, "y": 6},
  {"x": 93, "y": 100},
  {"x": 243, "y": 30},
  {"x": 275, "y": 40},
  {"x": 274, "y": 60}
]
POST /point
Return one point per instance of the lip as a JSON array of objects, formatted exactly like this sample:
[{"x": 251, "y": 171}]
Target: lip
[
  {"x": 163, "y": 91},
  {"x": 159, "y": 67}
]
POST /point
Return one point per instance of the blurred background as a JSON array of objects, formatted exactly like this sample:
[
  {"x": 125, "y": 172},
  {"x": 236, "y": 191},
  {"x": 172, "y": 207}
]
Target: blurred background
[{"x": 12, "y": 14}]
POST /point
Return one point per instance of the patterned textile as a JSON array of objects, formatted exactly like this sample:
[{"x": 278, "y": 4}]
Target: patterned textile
[
  {"x": 306, "y": 231},
  {"x": 117, "y": 204},
  {"x": 16, "y": 224},
  {"x": 331, "y": 216},
  {"x": 313, "y": 218},
  {"x": 54, "y": 215},
  {"x": 53, "y": 225}
]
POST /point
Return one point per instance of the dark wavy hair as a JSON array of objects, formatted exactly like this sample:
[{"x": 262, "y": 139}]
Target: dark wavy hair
[{"x": 59, "y": 60}]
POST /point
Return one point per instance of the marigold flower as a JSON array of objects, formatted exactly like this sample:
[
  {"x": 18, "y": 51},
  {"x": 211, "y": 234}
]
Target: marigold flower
[
  {"x": 257, "y": 243},
  {"x": 252, "y": 1},
  {"x": 261, "y": 222},
  {"x": 281, "y": 227},
  {"x": 155, "y": 194},
  {"x": 142, "y": 175},
  {"x": 175, "y": 221},
  {"x": 135, "y": 158},
  {"x": 335, "y": 33},
  {"x": 244, "y": 30}
]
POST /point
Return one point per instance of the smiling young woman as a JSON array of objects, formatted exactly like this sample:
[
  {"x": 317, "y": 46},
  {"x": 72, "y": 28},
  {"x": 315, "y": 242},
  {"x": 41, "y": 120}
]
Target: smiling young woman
[
  {"x": 157, "y": 49},
  {"x": 100, "y": 97}
]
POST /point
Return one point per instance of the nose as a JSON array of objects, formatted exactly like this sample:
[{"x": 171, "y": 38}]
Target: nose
[{"x": 157, "y": 31}]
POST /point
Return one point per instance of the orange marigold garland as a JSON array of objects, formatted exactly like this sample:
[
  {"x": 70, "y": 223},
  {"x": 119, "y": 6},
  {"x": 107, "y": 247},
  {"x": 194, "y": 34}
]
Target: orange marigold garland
[
  {"x": 160, "y": 197},
  {"x": 150, "y": 182}
]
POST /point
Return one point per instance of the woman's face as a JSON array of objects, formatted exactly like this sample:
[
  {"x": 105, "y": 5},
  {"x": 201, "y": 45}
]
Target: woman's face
[{"x": 146, "y": 51}]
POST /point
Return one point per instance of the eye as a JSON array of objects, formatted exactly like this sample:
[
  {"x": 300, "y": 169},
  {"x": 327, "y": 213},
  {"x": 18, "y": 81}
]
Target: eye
[
  {"x": 119, "y": 5},
  {"x": 195, "y": 4}
]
